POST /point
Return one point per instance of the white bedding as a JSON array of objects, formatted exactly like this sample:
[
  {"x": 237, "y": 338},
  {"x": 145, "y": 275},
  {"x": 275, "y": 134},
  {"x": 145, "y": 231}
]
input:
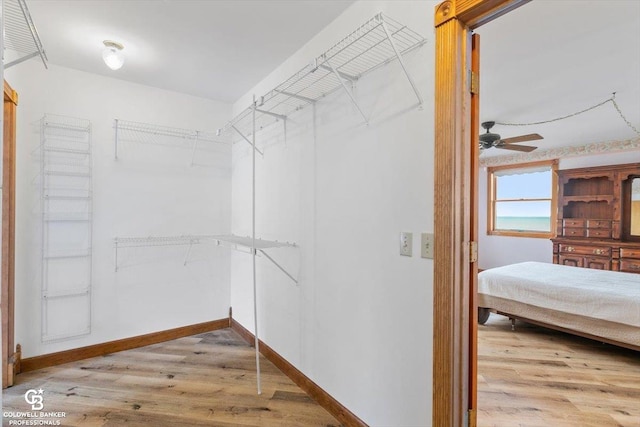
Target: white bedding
[{"x": 598, "y": 294}]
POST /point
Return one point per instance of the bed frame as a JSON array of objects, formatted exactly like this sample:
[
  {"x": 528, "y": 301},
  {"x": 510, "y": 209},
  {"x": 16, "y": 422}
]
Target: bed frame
[
  {"x": 483, "y": 316},
  {"x": 609, "y": 332}
]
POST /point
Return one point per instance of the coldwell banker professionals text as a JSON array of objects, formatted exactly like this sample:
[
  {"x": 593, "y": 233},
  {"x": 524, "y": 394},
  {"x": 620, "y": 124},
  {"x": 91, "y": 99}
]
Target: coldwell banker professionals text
[{"x": 33, "y": 418}]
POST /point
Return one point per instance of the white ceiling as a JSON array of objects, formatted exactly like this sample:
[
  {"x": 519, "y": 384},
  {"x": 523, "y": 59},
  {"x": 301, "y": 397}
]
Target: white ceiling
[
  {"x": 216, "y": 49},
  {"x": 550, "y": 59},
  {"x": 541, "y": 61}
]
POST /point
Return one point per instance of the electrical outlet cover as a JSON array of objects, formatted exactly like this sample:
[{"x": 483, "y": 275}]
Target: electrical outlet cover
[
  {"x": 426, "y": 245},
  {"x": 406, "y": 244}
]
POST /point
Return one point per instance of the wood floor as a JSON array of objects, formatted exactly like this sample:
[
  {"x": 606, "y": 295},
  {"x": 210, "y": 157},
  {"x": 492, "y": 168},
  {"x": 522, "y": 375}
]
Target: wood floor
[
  {"x": 530, "y": 377},
  {"x": 204, "y": 380},
  {"x": 537, "y": 377}
]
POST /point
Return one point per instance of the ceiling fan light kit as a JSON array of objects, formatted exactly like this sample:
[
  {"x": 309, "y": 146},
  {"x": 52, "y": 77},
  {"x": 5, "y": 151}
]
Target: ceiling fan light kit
[{"x": 490, "y": 140}]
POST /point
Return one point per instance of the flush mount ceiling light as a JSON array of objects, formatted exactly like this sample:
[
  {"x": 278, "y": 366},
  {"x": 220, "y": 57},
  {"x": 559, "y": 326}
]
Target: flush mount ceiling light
[{"x": 112, "y": 54}]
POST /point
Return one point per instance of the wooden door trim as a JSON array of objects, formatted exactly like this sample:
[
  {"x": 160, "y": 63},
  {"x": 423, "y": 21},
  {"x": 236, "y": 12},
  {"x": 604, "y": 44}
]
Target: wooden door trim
[
  {"x": 454, "y": 19},
  {"x": 7, "y": 276},
  {"x": 474, "y": 151}
]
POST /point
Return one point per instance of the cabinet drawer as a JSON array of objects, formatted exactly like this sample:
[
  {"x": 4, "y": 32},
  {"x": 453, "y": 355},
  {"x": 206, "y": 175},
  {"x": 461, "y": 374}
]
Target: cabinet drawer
[
  {"x": 597, "y": 263},
  {"x": 630, "y": 265},
  {"x": 572, "y": 261},
  {"x": 573, "y": 222},
  {"x": 598, "y": 223},
  {"x": 629, "y": 253},
  {"x": 585, "y": 250},
  {"x": 574, "y": 232},
  {"x": 599, "y": 232}
]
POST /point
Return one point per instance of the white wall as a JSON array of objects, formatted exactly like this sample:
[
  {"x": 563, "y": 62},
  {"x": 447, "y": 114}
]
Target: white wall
[
  {"x": 496, "y": 251},
  {"x": 149, "y": 190},
  {"x": 359, "y": 323}
]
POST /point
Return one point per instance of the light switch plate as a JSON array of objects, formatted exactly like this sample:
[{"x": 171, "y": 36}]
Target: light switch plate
[
  {"x": 426, "y": 245},
  {"x": 406, "y": 244}
]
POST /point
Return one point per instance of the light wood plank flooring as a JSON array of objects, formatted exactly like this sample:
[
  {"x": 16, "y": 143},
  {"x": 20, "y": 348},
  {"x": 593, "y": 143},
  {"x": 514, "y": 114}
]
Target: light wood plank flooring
[
  {"x": 538, "y": 377},
  {"x": 204, "y": 380}
]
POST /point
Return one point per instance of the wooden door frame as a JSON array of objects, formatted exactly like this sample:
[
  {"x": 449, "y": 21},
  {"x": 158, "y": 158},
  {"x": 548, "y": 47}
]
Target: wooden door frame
[
  {"x": 7, "y": 295},
  {"x": 455, "y": 190}
]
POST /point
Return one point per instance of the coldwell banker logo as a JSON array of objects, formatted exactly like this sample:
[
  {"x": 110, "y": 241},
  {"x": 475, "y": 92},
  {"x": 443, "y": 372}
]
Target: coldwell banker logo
[
  {"x": 35, "y": 399},
  {"x": 37, "y": 416}
]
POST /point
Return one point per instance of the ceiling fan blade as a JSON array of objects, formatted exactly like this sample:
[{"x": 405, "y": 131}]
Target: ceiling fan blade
[
  {"x": 524, "y": 148},
  {"x": 522, "y": 138}
]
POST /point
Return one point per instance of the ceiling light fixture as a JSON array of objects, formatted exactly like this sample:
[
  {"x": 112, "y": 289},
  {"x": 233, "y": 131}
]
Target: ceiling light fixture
[{"x": 112, "y": 54}]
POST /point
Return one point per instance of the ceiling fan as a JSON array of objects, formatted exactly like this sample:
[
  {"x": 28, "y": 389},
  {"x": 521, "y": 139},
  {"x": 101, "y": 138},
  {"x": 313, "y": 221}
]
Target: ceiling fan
[{"x": 488, "y": 140}]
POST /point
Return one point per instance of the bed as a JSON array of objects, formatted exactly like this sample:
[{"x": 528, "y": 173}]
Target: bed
[{"x": 597, "y": 304}]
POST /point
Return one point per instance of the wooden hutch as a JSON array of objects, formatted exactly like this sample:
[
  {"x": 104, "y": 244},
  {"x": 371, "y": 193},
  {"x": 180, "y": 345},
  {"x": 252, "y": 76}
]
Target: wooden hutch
[{"x": 594, "y": 222}]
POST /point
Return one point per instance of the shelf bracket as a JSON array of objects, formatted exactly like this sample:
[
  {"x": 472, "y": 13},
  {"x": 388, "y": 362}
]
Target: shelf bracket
[
  {"x": 116, "y": 141},
  {"x": 346, "y": 89},
  {"x": 345, "y": 76},
  {"x": 18, "y": 25},
  {"x": 186, "y": 257},
  {"x": 246, "y": 139},
  {"x": 269, "y": 113},
  {"x": 278, "y": 265},
  {"x": 195, "y": 145},
  {"x": 399, "y": 56},
  {"x": 19, "y": 60},
  {"x": 296, "y": 96}
]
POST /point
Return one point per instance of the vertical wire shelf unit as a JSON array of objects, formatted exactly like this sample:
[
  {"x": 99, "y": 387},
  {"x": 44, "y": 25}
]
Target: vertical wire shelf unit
[
  {"x": 20, "y": 33},
  {"x": 66, "y": 207},
  {"x": 374, "y": 44},
  {"x": 159, "y": 135},
  {"x": 377, "y": 42}
]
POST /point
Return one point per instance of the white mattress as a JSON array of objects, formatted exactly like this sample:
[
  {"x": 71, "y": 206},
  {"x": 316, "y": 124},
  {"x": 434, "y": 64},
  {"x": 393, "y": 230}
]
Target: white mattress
[{"x": 598, "y": 294}]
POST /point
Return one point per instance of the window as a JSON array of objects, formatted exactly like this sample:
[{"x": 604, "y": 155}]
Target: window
[{"x": 522, "y": 199}]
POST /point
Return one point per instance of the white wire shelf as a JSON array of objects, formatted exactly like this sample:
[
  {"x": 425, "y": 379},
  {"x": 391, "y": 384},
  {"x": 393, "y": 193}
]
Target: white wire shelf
[
  {"x": 66, "y": 193},
  {"x": 247, "y": 242},
  {"x": 229, "y": 240},
  {"x": 20, "y": 34},
  {"x": 65, "y": 143},
  {"x": 55, "y": 121},
  {"x": 49, "y": 338},
  {"x": 135, "y": 242},
  {"x": 66, "y": 150},
  {"x": 76, "y": 292},
  {"x": 62, "y": 254},
  {"x": 188, "y": 239},
  {"x": 81, "y": 174},
  {"x": 374, "y": 44},
  {"x": 67, "y": 217},
  {"x": 130, "y": 131},
  {"x": 66, "y": 197}
]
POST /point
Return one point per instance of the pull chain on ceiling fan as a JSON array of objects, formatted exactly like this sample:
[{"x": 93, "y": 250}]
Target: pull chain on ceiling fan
[{"x": 489, "y": 140}]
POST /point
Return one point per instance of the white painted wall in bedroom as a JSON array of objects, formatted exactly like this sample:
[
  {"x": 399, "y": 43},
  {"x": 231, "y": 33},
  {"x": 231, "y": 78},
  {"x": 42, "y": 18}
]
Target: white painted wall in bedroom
[
  {"x": 359, "y": 323},
  {"x": 149, "y": 190},
  {"x": 496, "y": 251}
]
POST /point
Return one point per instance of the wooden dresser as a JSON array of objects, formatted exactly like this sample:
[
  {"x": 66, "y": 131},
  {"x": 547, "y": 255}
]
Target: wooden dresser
[{"x": 593, "y": 222}]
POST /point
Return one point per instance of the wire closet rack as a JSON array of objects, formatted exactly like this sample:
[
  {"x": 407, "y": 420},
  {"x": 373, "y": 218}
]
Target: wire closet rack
[
  {"x": 130, "y": 131},
  {"x": 374, "y": 44},
  {"x": 66, "y": 205},
  {"x": 239, "y": 243},
  {"x": 377, "y": 42},
  {"x": 20, "y": 33}
]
